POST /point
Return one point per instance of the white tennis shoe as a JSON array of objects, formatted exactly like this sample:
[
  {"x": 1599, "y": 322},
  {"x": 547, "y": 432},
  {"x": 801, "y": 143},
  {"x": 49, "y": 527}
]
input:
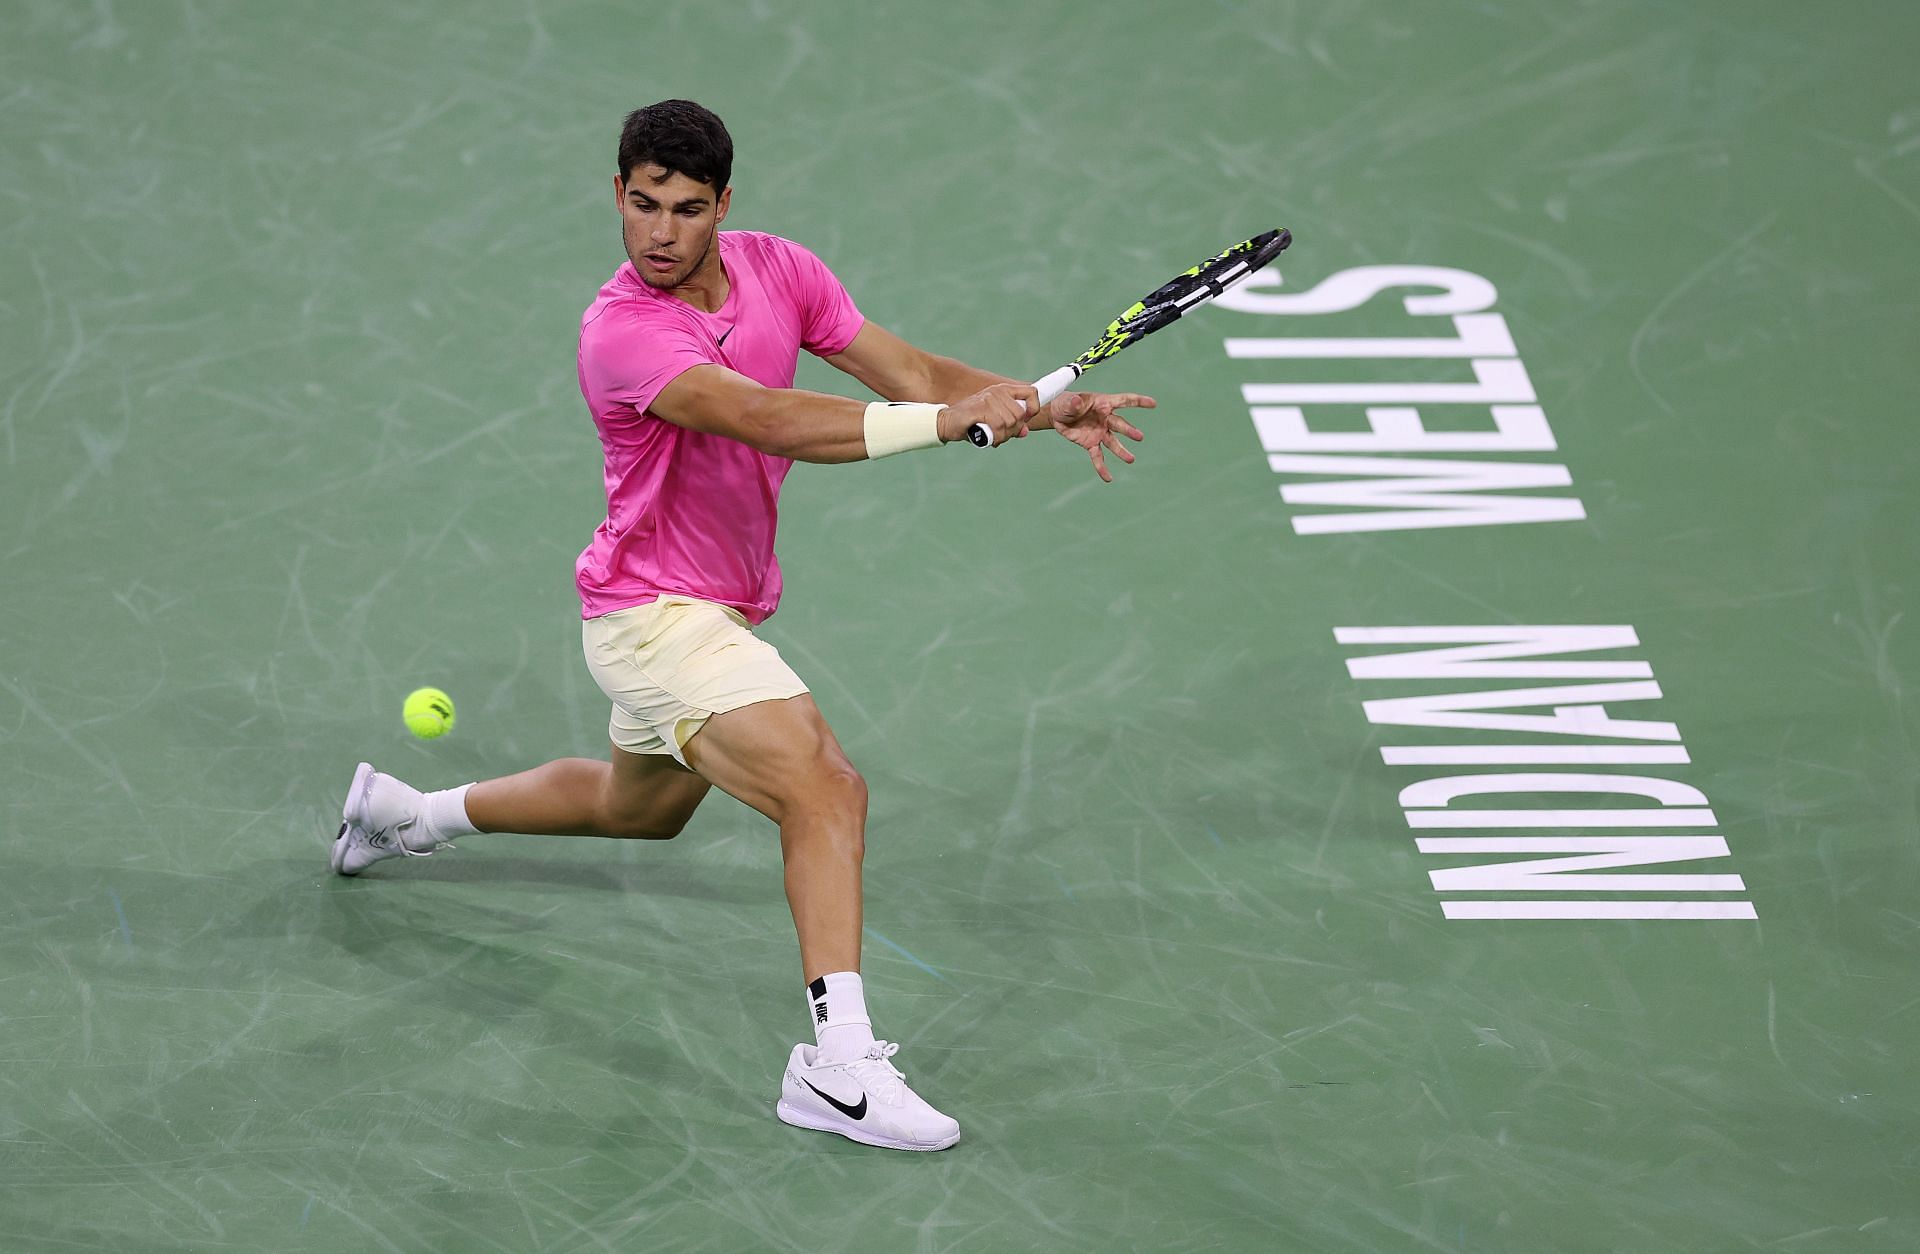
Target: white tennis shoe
[
  {"x": 865, "y": 1100},
  {"x": 379, "y": 813}
]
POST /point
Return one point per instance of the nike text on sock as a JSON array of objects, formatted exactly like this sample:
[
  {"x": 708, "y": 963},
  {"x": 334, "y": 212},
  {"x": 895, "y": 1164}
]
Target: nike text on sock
[{"x": 837, "y": 1005}]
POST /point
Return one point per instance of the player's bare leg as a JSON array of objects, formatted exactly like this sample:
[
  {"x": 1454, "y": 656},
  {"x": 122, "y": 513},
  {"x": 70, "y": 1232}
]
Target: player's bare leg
[
  {"x": 781, "y": 758},
  {"x": 633, "y": 796}
]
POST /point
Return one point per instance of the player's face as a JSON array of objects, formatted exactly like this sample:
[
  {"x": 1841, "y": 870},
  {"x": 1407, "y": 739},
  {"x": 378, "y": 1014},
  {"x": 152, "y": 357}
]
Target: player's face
[{"x": 668, "y": 222}]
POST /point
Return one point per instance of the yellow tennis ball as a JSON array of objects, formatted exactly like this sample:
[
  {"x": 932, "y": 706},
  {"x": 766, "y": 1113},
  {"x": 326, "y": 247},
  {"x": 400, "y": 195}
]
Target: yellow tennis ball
[{"x": 428, "y": 713}]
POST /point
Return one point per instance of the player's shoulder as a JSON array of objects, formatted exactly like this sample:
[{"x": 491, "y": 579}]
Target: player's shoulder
[
  {"x": 761, "y": 243},
  {"x": 769, "y": 250},
  {"x": 622, "y": 304},
  {"x": 785, "y": 264}
]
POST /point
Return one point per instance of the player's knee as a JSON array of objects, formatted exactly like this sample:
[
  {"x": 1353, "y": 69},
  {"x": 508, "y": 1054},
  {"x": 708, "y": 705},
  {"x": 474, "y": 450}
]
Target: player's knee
[
  {"x": 848, "y": 790},
  {"x": 830, "y": 786},
  {"x": 847, "y": 786}
]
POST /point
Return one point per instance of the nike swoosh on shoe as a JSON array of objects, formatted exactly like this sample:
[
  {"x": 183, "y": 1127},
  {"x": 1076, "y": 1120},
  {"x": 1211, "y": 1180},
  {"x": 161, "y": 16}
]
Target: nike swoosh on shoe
[{"x": 851, "y": 1112}]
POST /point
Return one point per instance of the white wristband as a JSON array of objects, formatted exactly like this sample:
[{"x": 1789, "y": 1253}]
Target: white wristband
[{"x": 901, "y": 426}]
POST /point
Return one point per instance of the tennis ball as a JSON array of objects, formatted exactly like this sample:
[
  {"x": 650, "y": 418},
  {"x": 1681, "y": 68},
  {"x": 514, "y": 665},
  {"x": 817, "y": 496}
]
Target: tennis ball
[{"x": 428, "y": 713}]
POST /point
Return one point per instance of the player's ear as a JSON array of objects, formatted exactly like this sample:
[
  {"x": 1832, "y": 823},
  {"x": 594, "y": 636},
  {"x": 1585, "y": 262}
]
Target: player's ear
[
  {"x": 720, "y": 205},
  {"x": 619, "y": 191}
]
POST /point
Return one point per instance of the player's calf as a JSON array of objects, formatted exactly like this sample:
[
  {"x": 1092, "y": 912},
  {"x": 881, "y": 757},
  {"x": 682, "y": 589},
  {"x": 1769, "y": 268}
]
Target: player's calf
[{"x": 647, "y": 824}]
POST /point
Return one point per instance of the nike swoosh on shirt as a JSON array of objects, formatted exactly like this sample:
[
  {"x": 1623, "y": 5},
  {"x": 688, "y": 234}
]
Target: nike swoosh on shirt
[
  {"x": 851, "y": 1112},
  {"x": 723, "y": 343}
]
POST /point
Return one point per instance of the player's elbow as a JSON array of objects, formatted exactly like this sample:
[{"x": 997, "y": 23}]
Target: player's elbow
[
  {"x": 717, "y": 402},
  {"x": 765, "y": 424}
]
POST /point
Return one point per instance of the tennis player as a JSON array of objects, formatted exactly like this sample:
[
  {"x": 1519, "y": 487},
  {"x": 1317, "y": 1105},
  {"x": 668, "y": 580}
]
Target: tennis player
[{"x": 686, "y": 361}]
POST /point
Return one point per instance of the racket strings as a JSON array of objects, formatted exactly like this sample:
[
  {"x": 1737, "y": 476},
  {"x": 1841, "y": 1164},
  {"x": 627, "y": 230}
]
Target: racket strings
[{"x": 1189, "y": 289}]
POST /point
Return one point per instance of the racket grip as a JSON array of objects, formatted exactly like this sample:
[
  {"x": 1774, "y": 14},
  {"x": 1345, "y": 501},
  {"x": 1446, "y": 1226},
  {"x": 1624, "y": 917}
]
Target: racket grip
[{"x": 1049, "y": 386}]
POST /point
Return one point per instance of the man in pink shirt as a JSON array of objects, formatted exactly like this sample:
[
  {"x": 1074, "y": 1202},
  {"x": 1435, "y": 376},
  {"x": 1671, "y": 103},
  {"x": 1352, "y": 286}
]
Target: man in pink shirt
[{"x": 686, "y": 361}]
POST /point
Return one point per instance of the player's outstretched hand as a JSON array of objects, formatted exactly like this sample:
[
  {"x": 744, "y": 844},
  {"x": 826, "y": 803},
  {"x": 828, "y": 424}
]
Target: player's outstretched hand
[
  {"x": 1005, "y": 408},
  {"x": 1092, "y": 420}
]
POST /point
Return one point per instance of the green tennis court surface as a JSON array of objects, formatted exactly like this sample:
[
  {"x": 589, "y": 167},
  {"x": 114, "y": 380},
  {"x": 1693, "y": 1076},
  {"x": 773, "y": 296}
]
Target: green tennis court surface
[{"x": 289, "y": 426}]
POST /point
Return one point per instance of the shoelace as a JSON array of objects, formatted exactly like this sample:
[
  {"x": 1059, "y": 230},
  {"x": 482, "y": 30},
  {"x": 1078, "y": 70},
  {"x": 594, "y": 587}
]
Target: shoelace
[
  {"x": 438, "y": 845},
  {"x": 877, "y": 1075},
  {"x": 390, "y": 836}
]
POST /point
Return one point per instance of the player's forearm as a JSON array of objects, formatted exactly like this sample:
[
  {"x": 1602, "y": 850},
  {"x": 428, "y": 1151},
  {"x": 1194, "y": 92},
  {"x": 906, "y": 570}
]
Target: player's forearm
[
  {"x": 807, "y": 426},
  {"x": 951, "y": 380},
  {"x": 816, "y": 427}
]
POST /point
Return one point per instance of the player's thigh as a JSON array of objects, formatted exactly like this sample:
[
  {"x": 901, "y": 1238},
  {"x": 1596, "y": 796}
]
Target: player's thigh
[
  {"x": 775, "y": 754},
  {"x": 650, "y": 794}
]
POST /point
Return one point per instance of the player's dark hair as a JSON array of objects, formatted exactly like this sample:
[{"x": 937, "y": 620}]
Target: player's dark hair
[{"x": 684, "y": 137}]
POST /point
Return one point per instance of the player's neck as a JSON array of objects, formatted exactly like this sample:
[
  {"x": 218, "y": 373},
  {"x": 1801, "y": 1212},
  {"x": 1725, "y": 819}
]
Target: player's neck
[{"x": 707, "y": 287}]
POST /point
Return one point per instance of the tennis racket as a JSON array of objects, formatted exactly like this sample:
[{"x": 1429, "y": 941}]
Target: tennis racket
[{"x": 1184, "y": 293}]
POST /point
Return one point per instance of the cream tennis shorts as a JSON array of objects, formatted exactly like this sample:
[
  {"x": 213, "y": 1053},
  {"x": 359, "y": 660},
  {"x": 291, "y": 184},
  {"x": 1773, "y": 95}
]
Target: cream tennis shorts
[{"x": 670, "y": 665}]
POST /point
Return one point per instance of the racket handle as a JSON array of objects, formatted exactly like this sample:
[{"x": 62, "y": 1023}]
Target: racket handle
[{"x": 1049, "y": 387}]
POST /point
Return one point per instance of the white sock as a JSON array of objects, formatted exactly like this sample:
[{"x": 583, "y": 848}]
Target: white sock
[
  {"x": 444, "y": 816},
  {"x": 838, "y": 1006}
]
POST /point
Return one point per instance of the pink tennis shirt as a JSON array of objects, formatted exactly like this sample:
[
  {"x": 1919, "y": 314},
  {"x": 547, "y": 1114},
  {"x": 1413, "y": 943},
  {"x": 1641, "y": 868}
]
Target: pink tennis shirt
[{"x": 687, "y": 512}]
